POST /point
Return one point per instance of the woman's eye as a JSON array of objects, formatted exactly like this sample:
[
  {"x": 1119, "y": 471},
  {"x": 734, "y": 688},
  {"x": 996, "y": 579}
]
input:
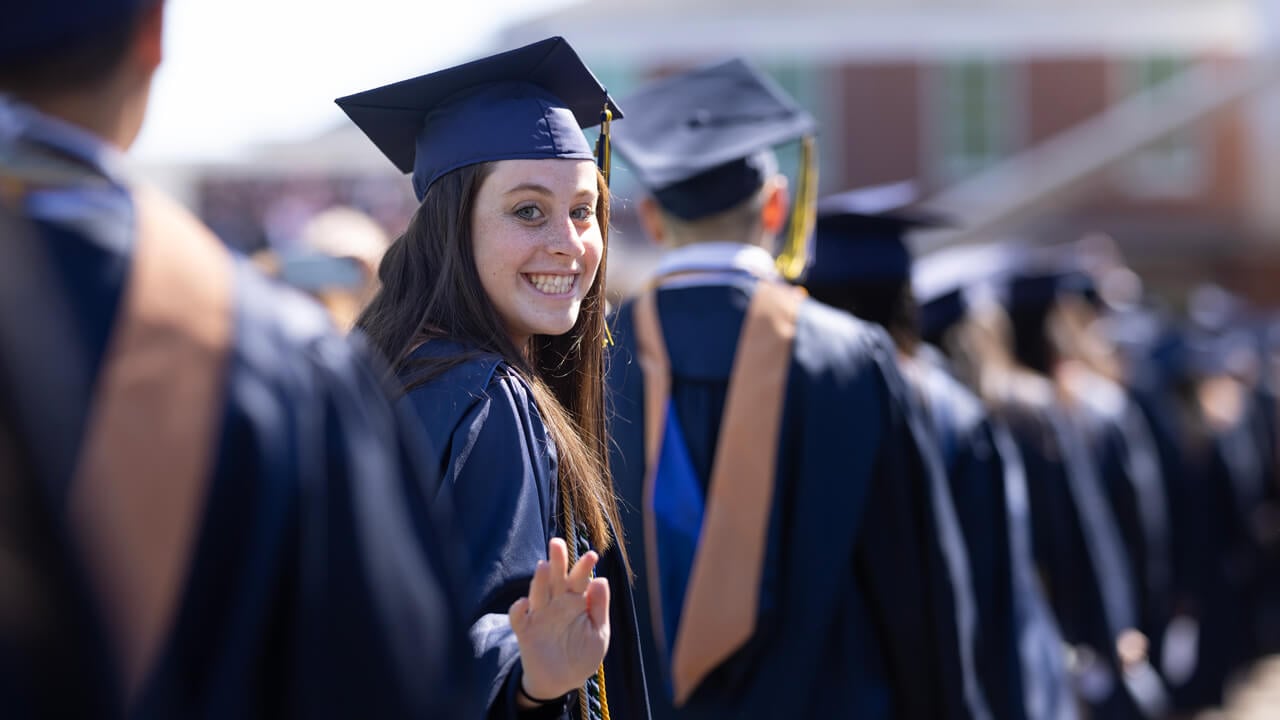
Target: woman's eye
[
  {"x": 528, "y": 212},
  {"x": 584, "y": 213}
]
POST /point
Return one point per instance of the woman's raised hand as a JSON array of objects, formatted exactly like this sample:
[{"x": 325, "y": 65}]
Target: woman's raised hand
[{"x": 563, "y": 625}]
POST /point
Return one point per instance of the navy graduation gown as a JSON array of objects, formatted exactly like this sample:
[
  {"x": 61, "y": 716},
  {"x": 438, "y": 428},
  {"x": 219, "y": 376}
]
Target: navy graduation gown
[
  {"x": 1265, "y": 414},
  {"x": 315, "y": 584},
  {"x": 1019, "y": 651},
  {"x": 499, "y": 475},
  {"x": 338, "y": 586},
  {"x": 855, "y": 616}
]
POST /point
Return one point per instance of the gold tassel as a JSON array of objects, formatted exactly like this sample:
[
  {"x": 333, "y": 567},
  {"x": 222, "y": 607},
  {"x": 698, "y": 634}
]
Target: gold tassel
[
  {"x": 604, "y": 151},
  {"x": 794, "y": 257},
  {"x": 604, "y": 160}
]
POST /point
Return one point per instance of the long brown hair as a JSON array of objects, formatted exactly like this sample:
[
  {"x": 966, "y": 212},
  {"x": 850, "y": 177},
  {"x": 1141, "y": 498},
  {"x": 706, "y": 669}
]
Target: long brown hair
[{"x": 431, "y": 289}]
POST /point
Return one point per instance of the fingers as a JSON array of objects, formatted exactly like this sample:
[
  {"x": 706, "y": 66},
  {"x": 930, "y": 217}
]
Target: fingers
[
  {"x": 558, "y": 557},
  {"x": 519, "y": 615},
  {"x": 581, "y": 573},
  {"x": 598, "y": 602},
  {"x": 540, "y": 587}
]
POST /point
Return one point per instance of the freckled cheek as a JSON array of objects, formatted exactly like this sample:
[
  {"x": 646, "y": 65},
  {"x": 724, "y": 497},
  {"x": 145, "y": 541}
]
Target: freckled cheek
[
  {"x": 591, "y": 259},
  {"x": 506, "y": 250}
]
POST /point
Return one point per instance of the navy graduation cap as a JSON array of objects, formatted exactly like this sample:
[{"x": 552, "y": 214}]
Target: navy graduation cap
[
  {"x": 702, "y": 142},
  {"x": 527, "y": 103},
  {"x": 861, "y": 235}
]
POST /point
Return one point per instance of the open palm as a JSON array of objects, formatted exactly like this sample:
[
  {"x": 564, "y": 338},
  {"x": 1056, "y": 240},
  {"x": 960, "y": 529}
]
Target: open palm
[{"x": 563, "y": 624}]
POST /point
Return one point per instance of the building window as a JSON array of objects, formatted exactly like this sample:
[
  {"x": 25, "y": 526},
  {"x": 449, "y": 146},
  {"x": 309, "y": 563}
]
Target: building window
[
  {"x": 1175, "y": 166},
  {"x": 972, "y": 110}
]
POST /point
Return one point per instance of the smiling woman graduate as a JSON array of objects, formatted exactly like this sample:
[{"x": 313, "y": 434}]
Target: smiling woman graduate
[{"x": 492, "y": 314}]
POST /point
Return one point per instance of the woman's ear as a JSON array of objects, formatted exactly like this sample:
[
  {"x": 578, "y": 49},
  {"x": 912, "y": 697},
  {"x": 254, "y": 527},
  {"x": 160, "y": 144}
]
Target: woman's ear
[
  {"x": 773, "y": 215},
  {"x": 651, "y": 219}
]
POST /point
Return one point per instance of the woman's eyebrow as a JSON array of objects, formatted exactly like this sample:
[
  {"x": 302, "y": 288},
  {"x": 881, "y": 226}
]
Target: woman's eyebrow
[{"x": 531, "y": 187}]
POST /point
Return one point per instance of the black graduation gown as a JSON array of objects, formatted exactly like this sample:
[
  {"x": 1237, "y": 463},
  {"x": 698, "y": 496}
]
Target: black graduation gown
[
  {"x": 1158, "y": 399},
  {"x": 1019, "y": 651},
  {"x": 316, "y": 585},
  {"x": 1185, "y": 459},
  {"x": 1127, "y": 456},
  {"x": 1227, "y": 495},
  {"x": 856, "y": 617},
  {"x": 1089, "y": 614},
  {"x": 1266, "y": 423},
  {"x": 498, "y": 468}
]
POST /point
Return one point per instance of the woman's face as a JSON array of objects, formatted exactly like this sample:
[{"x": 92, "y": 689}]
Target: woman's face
[{"x": 537, "y": 242}]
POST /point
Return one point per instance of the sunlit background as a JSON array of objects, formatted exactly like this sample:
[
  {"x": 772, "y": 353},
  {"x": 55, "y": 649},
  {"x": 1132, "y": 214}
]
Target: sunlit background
[{"x": 1152, "y": 122}]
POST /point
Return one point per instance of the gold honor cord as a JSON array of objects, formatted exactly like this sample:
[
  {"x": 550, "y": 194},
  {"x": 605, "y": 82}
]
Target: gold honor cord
[
  {"x": 604, "y": 160},
  {"x": 794, "y": 257},
  {"x": 576, "y": 542}
]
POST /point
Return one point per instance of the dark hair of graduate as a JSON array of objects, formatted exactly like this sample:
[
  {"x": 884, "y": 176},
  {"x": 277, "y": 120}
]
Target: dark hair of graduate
[
  {"x": 74, "y": 65},
  {"x": 1032, "y": 344},
  {"x": 889, "y": 304},
  {"x": 431, "y": 289}
]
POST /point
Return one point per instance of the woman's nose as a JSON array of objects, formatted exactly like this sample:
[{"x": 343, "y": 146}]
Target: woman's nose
[{"x": 566, "y": 239}]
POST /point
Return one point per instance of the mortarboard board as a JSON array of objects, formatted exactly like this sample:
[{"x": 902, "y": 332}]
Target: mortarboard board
[
  {"x": 34, "y": 27},
  {"x": 895, "y": 203},
  {"x": 702, "y": 143},
  {"x": 527, "y": 103},
  {"x": 941, "y": 313},
  {"x": 861, "y": 235},
  {"x": 700, "y": 140},
  {"x": 1070, "y": 271},
  {"x": 946, "y": 283},
  {"x": 1037, "y": 289}
]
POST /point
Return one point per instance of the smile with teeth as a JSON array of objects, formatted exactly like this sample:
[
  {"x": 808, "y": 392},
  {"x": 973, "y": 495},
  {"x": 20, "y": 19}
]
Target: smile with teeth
[{"x": 552, "y": 284}]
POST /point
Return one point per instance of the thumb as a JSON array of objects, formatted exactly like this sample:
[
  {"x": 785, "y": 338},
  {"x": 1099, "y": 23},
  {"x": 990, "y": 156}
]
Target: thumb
[
  {"x": 598, "y": 602},
  {"x": 519, "y": 615}
]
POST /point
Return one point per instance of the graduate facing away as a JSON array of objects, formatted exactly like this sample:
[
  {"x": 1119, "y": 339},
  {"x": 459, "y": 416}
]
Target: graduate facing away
[
  {"x": 863, "y": 264},
  {"x": 492, "y": 313},
  {"x": 776, "y": 499},
  {"x": 225, "y": 492}
]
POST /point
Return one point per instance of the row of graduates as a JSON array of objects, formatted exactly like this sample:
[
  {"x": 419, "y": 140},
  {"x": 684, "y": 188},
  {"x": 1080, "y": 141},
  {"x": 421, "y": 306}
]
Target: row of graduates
[
  {"x": 229, "y": 518},
  {"x": 1139, "y": 452}
]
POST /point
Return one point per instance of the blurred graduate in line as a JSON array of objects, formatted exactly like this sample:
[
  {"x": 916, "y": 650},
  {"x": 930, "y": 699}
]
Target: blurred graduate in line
[
  {"x": 220, "y": 505},
  {"x": 491, "y": 312},
  {"x": 1055, "y": 312},
  {"x": 1079, "y": 546},
  {"x": 1229, "y": 484},
  {"x": 336, "y": 261},
  {"x": 780, "y": 510},
  {"x": 1193, "y": 386},
  {"x": 862, "y": 264},
  {"x": 356, "y": 239}
]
